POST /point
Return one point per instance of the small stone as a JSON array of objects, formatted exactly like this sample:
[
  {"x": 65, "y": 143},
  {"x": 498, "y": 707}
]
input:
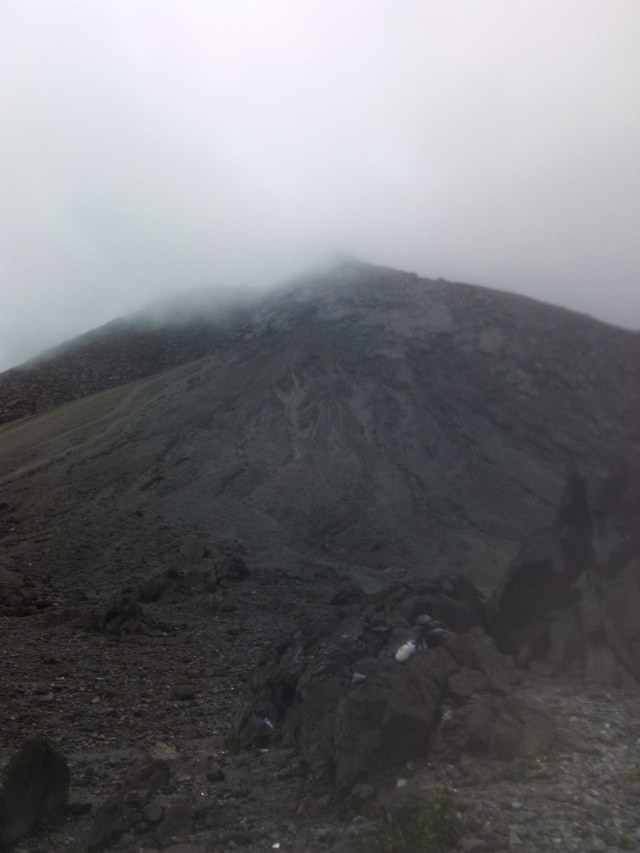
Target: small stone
[
  {"x": 177, "y": 821},
  {"x": 154, "y": 812},
  {"x": 514, "y": 838},
  {"x": 216, "y": 775},
  {"x": 163, "y": 751},
  {"x": 183, "y": 692},
  {"x": 324, "y": 834},
  {"x": 361, "y": 794}
]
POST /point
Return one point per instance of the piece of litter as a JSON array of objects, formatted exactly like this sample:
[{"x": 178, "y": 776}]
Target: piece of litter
[{"x": 405, "y": 651}]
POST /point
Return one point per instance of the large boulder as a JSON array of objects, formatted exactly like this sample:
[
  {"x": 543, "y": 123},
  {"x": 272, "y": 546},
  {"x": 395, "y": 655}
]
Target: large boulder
[
  {"x": 388, "y": 717},
  {"x": 34, "y": 791}
]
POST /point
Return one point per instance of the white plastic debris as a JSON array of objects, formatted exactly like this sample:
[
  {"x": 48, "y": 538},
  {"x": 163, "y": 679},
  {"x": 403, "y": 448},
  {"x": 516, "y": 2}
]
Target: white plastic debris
[
  {"x": 446, "y": 719},
  {"x": 405, "y": 651},
  {"x": 402, "y": 783}
]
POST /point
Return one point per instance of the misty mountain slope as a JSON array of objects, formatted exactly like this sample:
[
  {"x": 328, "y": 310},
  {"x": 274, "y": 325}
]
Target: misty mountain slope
[
  {"x": 364, "y": 421},
  {"x": 121, "y": 351},
  {"x": 557, "y": 345}
]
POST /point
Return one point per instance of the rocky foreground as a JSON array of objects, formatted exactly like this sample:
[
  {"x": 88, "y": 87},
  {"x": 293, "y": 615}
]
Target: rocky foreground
[{"x": 158, "y": 700}]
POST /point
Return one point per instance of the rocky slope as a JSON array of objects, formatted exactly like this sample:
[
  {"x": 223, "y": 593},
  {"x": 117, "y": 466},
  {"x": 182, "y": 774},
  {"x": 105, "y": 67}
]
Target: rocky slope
[
  {"x": 362, "y": 424},
  {"x": 365, "y": 420}
]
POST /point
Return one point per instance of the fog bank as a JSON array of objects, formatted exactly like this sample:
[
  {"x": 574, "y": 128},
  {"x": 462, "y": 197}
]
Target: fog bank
[{"x": 152, "y": 146}]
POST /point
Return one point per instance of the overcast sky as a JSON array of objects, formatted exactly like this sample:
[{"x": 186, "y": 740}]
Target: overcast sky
[{"x": 153, "y": 146}]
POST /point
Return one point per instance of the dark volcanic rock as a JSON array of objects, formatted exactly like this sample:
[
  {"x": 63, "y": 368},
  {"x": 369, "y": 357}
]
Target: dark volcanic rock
[
  {"x": 502, "y": 727},
  {"x": 135, "y": 798},
  {"x": 353, "y": 704},
  {"x": 571, "y": 597},
  {"x": 163, "y": 586},
  {"x": 34, "y": 790},
  {"x": 204, "y": 575},
  {"x": 19, "y": 596},
  {"x": 231, "y": 568},
  {"x": 122, "y": 615},
  {"x": 385, "y": 720}
]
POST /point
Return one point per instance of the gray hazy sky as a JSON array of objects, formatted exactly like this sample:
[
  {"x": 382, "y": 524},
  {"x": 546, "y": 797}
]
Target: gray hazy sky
[{"x": 153, "y": 146}]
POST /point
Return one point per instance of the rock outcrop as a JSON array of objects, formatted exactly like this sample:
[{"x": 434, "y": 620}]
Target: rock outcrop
[
  {"x": 385, "y": 681},
  {"x": 570, "y": 599}
]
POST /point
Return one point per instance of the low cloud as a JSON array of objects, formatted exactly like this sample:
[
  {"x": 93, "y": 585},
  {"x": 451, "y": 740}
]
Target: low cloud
[{"x": 154, "y": 147}]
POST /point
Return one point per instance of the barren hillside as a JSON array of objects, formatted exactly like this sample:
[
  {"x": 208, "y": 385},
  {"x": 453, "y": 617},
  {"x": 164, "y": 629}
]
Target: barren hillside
[{"x": 361, "y": 426}]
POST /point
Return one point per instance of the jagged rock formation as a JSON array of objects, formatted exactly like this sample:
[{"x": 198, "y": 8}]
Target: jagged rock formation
[
  {"x": 377, "y": 687},
  {"x": 571, "y": 596}
]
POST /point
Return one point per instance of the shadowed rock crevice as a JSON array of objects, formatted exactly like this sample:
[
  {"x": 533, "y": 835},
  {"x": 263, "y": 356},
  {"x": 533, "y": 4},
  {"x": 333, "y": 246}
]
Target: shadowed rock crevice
[
  {"x": 534, "y": 592},
  {"x": 574, "y": 529},
  {"x": 571, "y": 607}
]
